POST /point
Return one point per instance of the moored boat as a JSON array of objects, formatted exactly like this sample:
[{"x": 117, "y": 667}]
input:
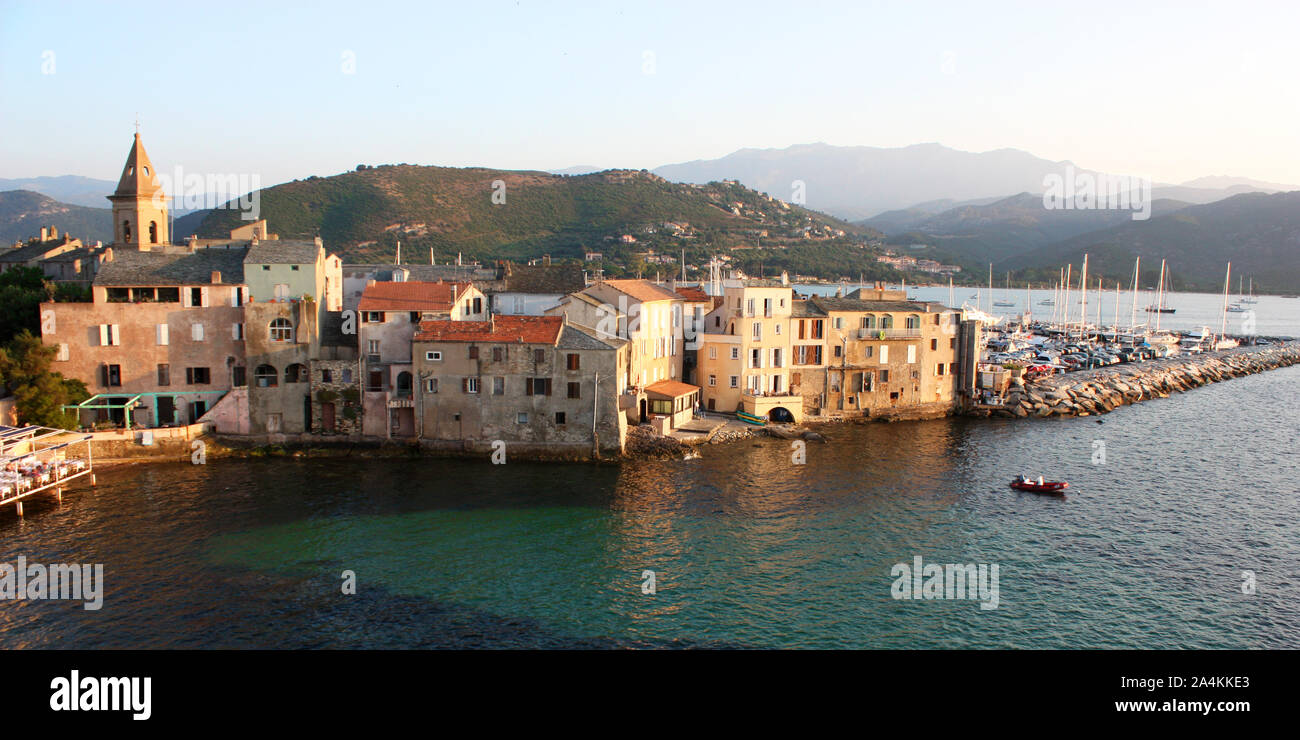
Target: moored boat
[{"x": 1051, "y": 486}]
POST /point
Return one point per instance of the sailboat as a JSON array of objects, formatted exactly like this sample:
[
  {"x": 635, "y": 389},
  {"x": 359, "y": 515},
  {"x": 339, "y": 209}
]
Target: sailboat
[
  {"x": 1160, "y": 306},
  {"x": 1235, "y": 306},
  {"x": 1251, "y": 297},
  {"x": 1006, "y": 301},
  {"x": 1049, "y": 301}
]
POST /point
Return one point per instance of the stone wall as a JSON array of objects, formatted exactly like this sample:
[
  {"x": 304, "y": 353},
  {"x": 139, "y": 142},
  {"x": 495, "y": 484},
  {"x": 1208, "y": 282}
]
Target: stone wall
[{"x": 1102, "y": 390}]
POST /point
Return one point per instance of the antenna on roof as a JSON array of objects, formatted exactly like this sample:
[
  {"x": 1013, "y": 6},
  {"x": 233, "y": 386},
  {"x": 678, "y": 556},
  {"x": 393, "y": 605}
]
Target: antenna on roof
[{"x": 398, "y": 261}]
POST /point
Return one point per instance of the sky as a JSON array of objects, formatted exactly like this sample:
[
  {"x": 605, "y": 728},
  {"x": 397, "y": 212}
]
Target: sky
[{"x": 282, "y": 90}]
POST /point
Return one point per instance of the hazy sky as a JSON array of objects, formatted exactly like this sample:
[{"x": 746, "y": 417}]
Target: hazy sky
[{"x": 1174, "y": 91}]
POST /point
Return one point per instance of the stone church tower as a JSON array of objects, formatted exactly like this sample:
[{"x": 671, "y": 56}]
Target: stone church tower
[{"x": 139, "y": 204}]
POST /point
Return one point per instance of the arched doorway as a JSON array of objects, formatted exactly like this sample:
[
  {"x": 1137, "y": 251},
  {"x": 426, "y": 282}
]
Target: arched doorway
[{"x": 780, "y": 415}]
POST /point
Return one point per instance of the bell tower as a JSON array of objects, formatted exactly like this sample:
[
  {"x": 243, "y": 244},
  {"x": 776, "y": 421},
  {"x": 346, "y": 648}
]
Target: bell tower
[{"x": 139, "y": 203}]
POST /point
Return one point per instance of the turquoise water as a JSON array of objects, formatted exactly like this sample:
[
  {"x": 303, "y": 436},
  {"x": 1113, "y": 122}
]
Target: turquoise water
[{"x": 748, "y": 549}]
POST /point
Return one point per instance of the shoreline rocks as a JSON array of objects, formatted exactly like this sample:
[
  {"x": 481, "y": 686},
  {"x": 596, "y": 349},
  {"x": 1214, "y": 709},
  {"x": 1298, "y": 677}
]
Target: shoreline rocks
[{"x": 1102, "y": 390}]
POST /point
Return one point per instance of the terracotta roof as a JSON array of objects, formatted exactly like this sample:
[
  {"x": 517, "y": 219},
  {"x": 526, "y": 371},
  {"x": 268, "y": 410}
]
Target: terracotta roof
[
  {"x": 516, "y": 329},
  {"x": 410, "y": 296},
  {"x": 692, "y": 293},
  {"x": 670, "y": 389},
  {"x": 642, "y": 290}
]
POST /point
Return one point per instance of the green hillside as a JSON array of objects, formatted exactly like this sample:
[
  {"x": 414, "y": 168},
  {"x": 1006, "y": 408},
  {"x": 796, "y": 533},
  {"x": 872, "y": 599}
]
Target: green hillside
[{"x": 362, "y": 214}]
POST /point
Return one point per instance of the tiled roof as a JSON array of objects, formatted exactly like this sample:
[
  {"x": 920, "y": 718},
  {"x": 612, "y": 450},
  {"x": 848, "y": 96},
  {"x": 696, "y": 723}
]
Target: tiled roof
[
  {"x": 693, "y": 293},
  {"x": 515, "y": 329},
  {"x": 805, "y": 309},
  {"x": 131, "y": 267},
  {"x": 853, "y": 304},
  {"x": 543, "y": 279},
  {"x": 282, "y": 252},
  {"x": 29, "y": 252},
  {"x": 642, "y": 290},
  {"x": 410, "y": 296},
  {"x": 581, "y": 337},
  {"x": 479, "y": 274},
  {"x": 670, "y": 389}
]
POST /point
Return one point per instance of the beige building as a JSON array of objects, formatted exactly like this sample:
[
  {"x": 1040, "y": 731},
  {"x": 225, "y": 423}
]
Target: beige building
[
  {"x": 745, "y": 357},
  {"x": 167, "y": 327},
  {"x": 649, "y": 316},
  {"x": 536, "y": 383},
  {"x": 881, "y": 354}
]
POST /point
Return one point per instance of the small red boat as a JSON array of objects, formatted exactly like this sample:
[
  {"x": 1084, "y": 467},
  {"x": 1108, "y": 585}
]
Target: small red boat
[{"x": 1050, "y": 486}]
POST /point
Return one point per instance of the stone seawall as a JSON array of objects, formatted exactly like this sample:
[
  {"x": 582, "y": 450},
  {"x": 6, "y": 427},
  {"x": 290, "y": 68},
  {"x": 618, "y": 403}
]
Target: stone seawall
[{"x": 1101, "y": 390}]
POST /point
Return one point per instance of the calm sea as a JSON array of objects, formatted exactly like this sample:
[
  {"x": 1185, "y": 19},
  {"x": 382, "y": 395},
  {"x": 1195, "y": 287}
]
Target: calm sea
[{"x": 1150, "y": 548}]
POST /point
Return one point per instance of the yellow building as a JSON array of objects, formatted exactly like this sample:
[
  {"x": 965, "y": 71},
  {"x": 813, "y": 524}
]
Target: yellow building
[
  {"x": 139, "y": 204},
  {"x": 745, "y": 353}
]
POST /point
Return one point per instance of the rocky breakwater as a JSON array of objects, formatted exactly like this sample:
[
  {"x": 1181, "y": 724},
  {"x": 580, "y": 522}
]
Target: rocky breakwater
[{"x": 1099, "y": 391}]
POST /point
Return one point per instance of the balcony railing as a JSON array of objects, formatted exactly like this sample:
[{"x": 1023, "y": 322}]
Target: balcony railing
[{"x": 889, "y": 333}]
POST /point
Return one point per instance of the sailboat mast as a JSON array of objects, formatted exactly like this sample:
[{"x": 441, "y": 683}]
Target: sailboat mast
[
  {"x": 1083, "y": 295},
  {"x": 1223, "y": 322},
  {"x": 1133, "y": 305},
  {"x": 1160, "y": 294}
]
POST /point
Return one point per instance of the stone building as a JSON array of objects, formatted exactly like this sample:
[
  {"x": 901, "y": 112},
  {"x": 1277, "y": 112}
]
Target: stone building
[
  {"x": 745, "y": 353},
  {"x": 165, "y": 326},
  {"x": 390, "y": 315},
  {"x": 537, "y": 383}
]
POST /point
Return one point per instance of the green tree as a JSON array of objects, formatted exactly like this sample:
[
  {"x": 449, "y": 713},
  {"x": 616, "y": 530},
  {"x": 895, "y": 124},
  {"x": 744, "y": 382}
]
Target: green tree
[{"x": 39, "y": 394}]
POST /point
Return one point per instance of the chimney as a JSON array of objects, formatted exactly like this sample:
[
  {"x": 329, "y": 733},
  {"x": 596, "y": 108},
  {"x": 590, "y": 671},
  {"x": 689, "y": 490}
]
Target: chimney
[
  {"x": 45, "y": 234},
  {"x": 546, "y": 260},
  {"x": 454, "y": 292},
  {"x": 216, "y": 277},
  {"x": 108, "y": 255},
  {"x": 370, "y": 282}
]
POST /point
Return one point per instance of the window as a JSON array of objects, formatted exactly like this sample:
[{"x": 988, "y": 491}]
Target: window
[
  {"x": 758, "y": 330},
  {"x": 347, "y": 375},
  {"x": 498, "y": 354},
  {"x": 281, "y": 330},
  {"x": 575, "y": 390},
  {"x": 839, "y": 322},
  {"x": 560, "y": 418},
  {"x": 886, "y": 322},
  {"x": 126, "y": 230},
  {"x": 537, "y": 386},
  {"x": 326, "y": 376},
  {"x": 415, "y": 317},
  {"x": 522, "y": 417},
  {"x": 196, "y": 332},
  {"x": 199, "y": 376},
  {"x": 266, "y": 268},
  {"x": 473, "y": 352},
  {"x": 952, "y": 343},
  {"x": 469, "y": 385},
  {"x": 777, "y": 359},
  {"x": 478, "y": 305},
  {"x": 163, "y": 333},
  {"x": 839, "y": 351},
  {"x": 573, "y": 360},
  {"x": 153, "y": 225},
  {"x": 282, "y": 291},
  {"x": 884, "y": 376},
  {"x": 265, "y": 376},
  {"x": 934, "y": 344},
  {"x": 756, "y": 357},
  {"x": 749, "y": 307},
  {"x": 110, "y": 335},
  {"x": 713, "y": 352},
  {"x": 868, "y": 322},
  {"x": 735, "y": 353},
  {"x": 913, "y": 322},
  {"x": 938, "y": 370},
  {"x": 372, "y": 317},
  {"x": 884, "y": 354},
  {"x": 372, "y": 349},
  {"x": 777, "y": 330},
  {"x": 237, "y": 376},
  {"x": 713, "y": 380},
  {"x": 431, "y": 385},
  {"x": 817, "y": 328},
  {"x": 164, "y": 374},
  {"x": 63, "y": 354},
  {"x": 767, "y": 307},
  {"x": 294, "y": 268},
  {"x": 196, "y": 296},
  {"x": 433, "y": 356},
  {"x": 539, "y": 356},
  {"x": 734, "y": 381},
  {"x": 111, "y": 375},
  {"x": 498, "y": 386},
  {"x": 237, "y": 332},
  {"x": 911, "y": 354},
  {"x": 295, "y": 373}
]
